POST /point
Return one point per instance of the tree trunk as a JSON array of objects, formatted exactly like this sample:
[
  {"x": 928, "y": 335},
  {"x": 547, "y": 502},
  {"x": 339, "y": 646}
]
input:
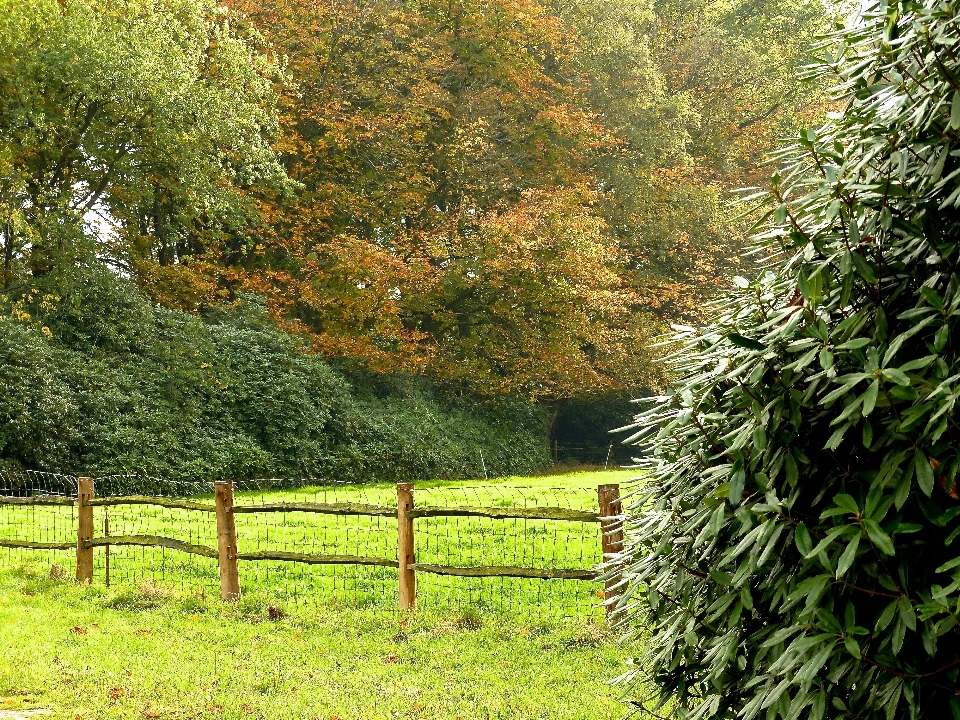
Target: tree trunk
[
  {"x": 7, "y": 254},
  {"x": 555, "y": 407}
]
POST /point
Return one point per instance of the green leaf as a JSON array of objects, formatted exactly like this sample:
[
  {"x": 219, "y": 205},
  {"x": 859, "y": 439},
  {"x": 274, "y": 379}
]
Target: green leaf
[
  {"x": 826, "y": 359},
  {"x": 878, "y": 537},
  {"x": 941, "y": 338},
  {"x": 907, "y": 613},
  {"x": 870, "y": 397},
  {"x": 852, "y": 646},
  {"x": 854, "y": 232},
  {"x": 902, "y": 338},
  {"x": 760, "y": 438},
  {"x": 918, "y": 364},
  {"x": 745, "y": 342},
  {"x": 955, "y": 111},
  {"x": 864, "y": 268},
  {"x": 790, "y": 468},
  {"x": 801, "y": 537},
  {"x": 897, "y": 636},
  {"x": 949, "y": 565},
  {"x": 885, "y": 617},
  {"x": 849, "y": 555},
  {"x": 847, "y": 503},
  {"x": 737, "y": 482},
  {"x": 924, "y": 472},
  {"x": 834, "y": 441},
  {"x": 826, "y": 541},
  {"x": 896, "y": 376},
  {"x": 810, "y": 668},
  {"x": 932, "y": 297}
]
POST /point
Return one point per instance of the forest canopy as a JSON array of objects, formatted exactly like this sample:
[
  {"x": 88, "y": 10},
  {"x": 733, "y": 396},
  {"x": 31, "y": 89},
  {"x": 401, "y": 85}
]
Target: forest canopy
[{"x": 506, "y": 198}]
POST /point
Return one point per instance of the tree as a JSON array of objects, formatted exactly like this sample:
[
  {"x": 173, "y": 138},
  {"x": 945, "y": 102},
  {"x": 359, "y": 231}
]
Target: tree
[
  {"x": 732, "y": 66},
  {"x": 531, "y": 301},
  {"x": 795, "y": 540},
  {"x": 450, "y": 220},
  {"x": 129, "y": 132}
]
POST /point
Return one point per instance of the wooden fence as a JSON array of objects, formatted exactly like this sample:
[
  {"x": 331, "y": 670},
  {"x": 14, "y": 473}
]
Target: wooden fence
[{"x": 610, "y": 536}]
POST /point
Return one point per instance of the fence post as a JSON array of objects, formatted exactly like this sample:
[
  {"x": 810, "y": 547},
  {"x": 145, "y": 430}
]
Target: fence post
[
  {"x": 611, "y": 534},
  {"x": 405, "y": 547},
  {"x": 85, "y": 493},
  {"x": 106, "y": 548},
  {"x": 227, "y": 541}
]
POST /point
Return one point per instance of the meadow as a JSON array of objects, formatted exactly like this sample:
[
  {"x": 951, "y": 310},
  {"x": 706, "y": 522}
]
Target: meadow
[
  {"x": 314, "y": 641},
  {"x": 89, "y": 653}
]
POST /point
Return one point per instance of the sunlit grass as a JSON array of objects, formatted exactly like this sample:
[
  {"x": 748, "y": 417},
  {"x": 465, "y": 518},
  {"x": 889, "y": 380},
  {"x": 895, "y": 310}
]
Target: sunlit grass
[{"x": 92, "y": 653}]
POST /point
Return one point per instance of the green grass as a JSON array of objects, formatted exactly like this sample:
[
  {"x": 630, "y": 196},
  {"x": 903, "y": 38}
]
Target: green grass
[
  {"x": 442, "y": 541},
  {"x": 91, "y": 653}
]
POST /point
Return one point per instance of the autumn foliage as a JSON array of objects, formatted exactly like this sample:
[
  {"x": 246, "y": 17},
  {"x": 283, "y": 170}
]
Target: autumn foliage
[{"x": 509, "y": 196}]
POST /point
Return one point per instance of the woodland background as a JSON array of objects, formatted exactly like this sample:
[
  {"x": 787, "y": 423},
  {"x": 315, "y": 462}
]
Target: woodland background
[{"x": 368, "y": 240}]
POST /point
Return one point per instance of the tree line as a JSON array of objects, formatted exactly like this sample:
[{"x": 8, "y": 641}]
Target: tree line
[{"x": 507, "y": 198}]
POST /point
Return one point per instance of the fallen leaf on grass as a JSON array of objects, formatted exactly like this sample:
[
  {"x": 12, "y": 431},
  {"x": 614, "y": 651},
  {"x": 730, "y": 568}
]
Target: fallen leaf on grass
[{"x": 77, "y": 630}]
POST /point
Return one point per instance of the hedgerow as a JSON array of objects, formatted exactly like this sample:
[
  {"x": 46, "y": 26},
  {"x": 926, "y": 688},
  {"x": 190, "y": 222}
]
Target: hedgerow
[{"x": 97, "y": 380}]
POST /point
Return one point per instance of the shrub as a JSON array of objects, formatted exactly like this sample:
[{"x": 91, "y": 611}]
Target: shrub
[
  {"x": 795, "y": 543},
  {"x": 97, "y": 380}
]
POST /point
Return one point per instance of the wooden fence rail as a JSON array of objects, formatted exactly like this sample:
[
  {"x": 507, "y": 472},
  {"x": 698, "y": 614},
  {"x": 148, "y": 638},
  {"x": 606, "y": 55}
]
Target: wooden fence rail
[
  {"x": 228, "y": 555},
  {"x": 38, "y": 500}
]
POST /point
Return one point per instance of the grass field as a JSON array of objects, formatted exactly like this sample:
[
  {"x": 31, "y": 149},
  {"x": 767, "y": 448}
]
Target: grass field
[
  {"x": 89, "y": 653},
  {"x": 444, "y": 541}
]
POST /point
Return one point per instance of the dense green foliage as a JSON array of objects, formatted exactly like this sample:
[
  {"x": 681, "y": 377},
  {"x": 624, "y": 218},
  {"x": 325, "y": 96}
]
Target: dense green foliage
[
  {"x": 797, "y": 541},
  {"x": 507, "y": 198},
  {"x": 102, "y": 381},
  {"x": 128, "y": 116}
]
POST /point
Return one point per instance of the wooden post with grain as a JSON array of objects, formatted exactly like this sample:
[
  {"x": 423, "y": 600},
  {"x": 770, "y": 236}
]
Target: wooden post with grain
[
  {"x": 106, "y": 548},
  {"x": 405, "y": 547},
  {"x": 85, "y": 493},
  {"x": 611, "y": 524},
  {"x": 227, "y": 541}
]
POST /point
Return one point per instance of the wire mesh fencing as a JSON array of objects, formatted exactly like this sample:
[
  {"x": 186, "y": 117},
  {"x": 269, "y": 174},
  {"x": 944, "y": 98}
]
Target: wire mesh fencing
[
  {"x": 139, "y": 565},
  {"x": 476, "y": 541},
  {"x": 318, "y": 534},
  {"x": 330, "y": 545},
  {"x": 38, "y": 533}
]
